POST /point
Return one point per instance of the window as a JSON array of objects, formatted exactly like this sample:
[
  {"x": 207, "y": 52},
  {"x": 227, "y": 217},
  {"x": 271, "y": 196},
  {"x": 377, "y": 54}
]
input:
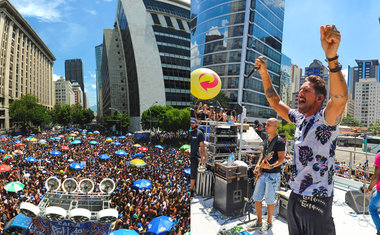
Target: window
[
  {"x": 155, "y": 19},
  {"x": 180, "y": 24},
  {"x": 169, "y": 21}
]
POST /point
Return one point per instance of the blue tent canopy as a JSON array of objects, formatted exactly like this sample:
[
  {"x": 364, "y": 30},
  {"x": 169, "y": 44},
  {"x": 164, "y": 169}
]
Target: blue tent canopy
[{"x": 20, "y": 221}]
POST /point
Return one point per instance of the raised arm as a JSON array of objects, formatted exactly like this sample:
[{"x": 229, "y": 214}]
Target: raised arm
[
  {"x": 330, "y": 40},
  {"x": 270, "y": 93}
]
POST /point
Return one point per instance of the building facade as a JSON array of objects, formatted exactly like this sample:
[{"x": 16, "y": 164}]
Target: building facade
[
  {"x": 77, "y": 93},
  {"x": 63, "y": 92},
  {"x": 285, "y": 80},
  {"x": 114, "y": 78},
  {"x": 26, "y": 63},
  {"x": 367, "y": 105},
  {"x": 98, "y": 60},
  {"x": 227, "y": 37},
  {"x": 364, "y": 69},
  {"x": 155, "y": 39},
  {"x": 74, "y": 72}
]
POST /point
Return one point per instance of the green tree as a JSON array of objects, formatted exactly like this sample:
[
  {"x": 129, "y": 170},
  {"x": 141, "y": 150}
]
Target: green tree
[
  {"x": 114, "y": 119},
  {"x": 63, "y": 115},
  {"x": 158, "y": 114},
  {"x": 375, "y": 128},
  {"x": 289, "y": 129},
  {"x": 350, "y": 121},
  {"x": 28, "y": 112}
]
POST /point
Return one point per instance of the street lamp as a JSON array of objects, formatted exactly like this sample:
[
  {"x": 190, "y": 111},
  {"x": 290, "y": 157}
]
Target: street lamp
[{"x": 120, "y": 119}]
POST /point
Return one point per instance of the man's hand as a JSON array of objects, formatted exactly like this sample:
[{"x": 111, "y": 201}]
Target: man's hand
[
  {"x": 330, "y": 40},
  {"x": 367, "y": 191},
  {"x": 261, "y": 63},
  {"x": 256, "y": 170},
  {"x": 203, "y": 159}
]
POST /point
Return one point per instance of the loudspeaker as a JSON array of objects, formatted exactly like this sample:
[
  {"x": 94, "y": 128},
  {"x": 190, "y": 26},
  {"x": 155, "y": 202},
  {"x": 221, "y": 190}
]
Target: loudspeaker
[
  {"x": 283, "y": 206},
  {"x": 354, "y": 199},
  {"x": 229, "y": 195}
]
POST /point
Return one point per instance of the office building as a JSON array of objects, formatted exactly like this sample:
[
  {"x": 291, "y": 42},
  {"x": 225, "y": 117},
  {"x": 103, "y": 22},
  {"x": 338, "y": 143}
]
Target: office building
[
  {"x": 98, "y": 59},
  {"x": 367, "y": 105},
  {"x": 227, "y": 37},
  {"x": 77, "y": 93},
  {"x": 285, "y": 80},
  {"x": 26, "y": 63},
  {"x": 63, "y": 92},
  {"x": 74, "y": 72},
  {"x": 364, "y": 69},
  {"x": 155, "y": 38},
  {"x": 114, "y": 78}
]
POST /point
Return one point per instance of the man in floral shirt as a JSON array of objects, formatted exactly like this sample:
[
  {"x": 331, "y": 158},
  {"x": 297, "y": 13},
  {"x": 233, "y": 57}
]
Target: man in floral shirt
[{"x": 310, "y": 203}]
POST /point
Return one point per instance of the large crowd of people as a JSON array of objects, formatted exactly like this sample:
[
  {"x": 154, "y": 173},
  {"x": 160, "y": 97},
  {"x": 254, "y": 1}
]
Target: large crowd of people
[{"x": 164, "y": 168}]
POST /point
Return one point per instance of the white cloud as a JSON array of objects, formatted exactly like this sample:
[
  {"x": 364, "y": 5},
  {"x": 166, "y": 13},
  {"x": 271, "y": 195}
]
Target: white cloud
[
  {"x": 345, "y": 73},
  {"x": 195, "y": 55},
  {"x": 56, "y": 77},
  {"x": 44, "y": 10},
  {"x": 93, "y": 75},
  {"x": 214, "y": 31},
  {"x": 108, "y": 0},
  {"x": 92, "y": 12},
  {"x": 93, "y": 86}
]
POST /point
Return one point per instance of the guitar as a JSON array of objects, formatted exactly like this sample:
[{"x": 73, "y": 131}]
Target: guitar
[{"x": 268, "y": 157}]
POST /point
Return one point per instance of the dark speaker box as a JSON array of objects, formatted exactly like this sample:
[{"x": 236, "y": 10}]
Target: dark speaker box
[
  {"x": 229, "y": 195},
  {"x": 283, "y": 206},
  {"x": 355, "y": 200}
]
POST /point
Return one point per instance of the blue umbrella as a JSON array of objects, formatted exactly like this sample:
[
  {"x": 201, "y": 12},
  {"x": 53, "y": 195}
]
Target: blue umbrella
[
  {"x": 142, "y": 184},
  {"x": 52, "y": 133},
  {"x": 76, "y": 142},
  {"x": 122, "y": 137},
  {"x": 96, "y": 132},
  {"x": 104, "y": 156},
  {"x": 57, "y": 138},
  {"x": 2, "y": 136},
  {"x": 114, "y": 137},
  {"x": 70, "y": 160},
  {"x": 3, "y": 151},
  {"x": 76, "y": 166},
  {"x": 30, "y": 159},
  {"x": 120, "y": 152},
  {"x": 139, "y": 155},
  {"x": 55, "y": 153},
  {"x": 15, "y": 137},
  {"x": 17, "y": 141},
  {"x": 90, "y": 133},
  {"x": 187, "y": 171},
  {"x": 160, "y": 225},
  {"x": 52, "y": 139},
  {"x": 116, "y": 143},
  {"x": 159, "y": 147},
  {"x": 93, "y": 142},
  {"x": 124, "y": 232}
]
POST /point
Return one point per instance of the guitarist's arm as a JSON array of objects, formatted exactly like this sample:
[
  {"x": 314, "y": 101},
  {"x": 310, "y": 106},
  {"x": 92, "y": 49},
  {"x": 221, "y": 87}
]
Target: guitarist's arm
[
  {"x": 257, "y": 167},
  {"x": 280, "y": 160}
]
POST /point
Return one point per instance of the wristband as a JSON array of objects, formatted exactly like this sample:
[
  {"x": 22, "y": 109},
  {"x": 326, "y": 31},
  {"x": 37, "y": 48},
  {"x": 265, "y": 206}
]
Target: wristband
[
  {"x": 336, "y": 69},
  {"x": 332, "y": 59}
]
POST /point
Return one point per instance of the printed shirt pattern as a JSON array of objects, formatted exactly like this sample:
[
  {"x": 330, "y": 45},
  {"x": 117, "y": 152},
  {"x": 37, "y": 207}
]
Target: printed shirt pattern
[{"x": 314, "y": 154}]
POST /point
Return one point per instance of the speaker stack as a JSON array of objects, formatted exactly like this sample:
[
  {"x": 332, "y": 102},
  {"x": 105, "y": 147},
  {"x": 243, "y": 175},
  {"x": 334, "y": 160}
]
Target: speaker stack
[{"x": 231, "y": 183}]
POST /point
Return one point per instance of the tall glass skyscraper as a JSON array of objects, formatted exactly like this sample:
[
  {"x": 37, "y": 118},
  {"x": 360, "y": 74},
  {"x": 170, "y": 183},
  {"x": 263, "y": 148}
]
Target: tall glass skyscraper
[
  {"x": 98, "y": 59},
  {"x": 156, "y": 42},
  {"x": 227, "y": 37}
]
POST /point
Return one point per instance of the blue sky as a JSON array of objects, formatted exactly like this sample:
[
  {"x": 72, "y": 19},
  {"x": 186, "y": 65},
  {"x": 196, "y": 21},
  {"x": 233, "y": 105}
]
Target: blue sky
[
  {"x": 356, "y": 20},
  {"x": 72, "y": 29}
]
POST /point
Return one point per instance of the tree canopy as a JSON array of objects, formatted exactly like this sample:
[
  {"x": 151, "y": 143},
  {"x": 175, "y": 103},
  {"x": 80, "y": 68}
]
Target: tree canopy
[
  {"x": 350, "y": 121},
  {"x": 28, "y": 112}
]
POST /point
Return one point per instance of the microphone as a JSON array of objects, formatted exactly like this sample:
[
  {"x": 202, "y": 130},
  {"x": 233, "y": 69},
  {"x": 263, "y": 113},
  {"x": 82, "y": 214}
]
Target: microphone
[{"x": 263, "y": 59}]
